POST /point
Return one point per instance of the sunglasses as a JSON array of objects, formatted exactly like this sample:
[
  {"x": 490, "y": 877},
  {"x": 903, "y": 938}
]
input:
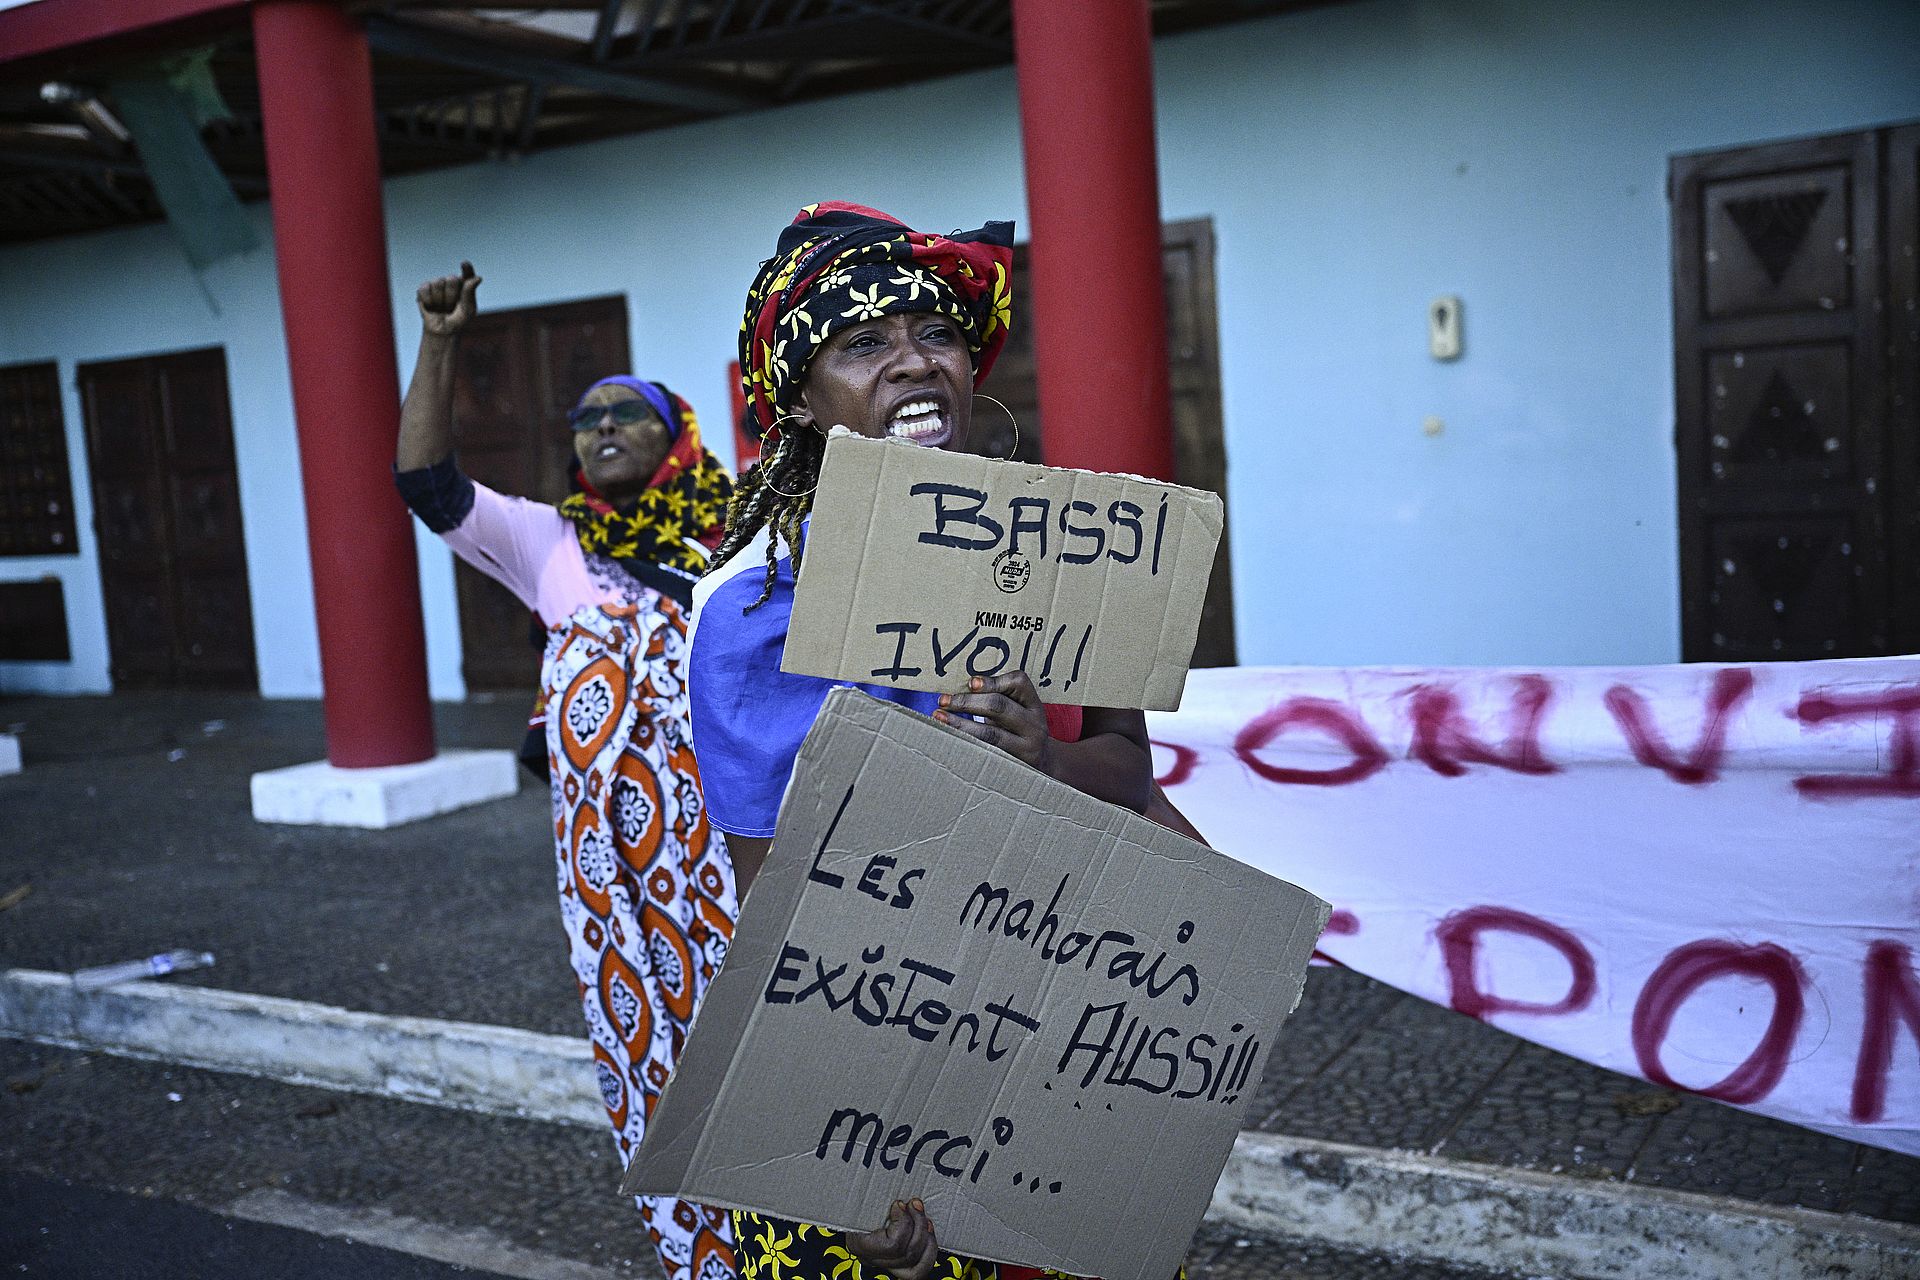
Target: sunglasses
[{"x": 625, "y": 414}]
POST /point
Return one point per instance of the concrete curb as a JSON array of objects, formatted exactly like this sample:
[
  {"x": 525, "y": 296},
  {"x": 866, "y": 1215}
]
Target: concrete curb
[
  {"x": 1540, "y": 1223},
  {"x": 465, "y": 1065},
  {"x": 1352, "y": 1197}
]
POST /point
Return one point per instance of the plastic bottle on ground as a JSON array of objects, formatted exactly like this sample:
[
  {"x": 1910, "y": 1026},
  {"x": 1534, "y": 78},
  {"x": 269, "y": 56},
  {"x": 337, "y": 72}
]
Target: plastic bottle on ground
[{"x": 174, "y": 961}]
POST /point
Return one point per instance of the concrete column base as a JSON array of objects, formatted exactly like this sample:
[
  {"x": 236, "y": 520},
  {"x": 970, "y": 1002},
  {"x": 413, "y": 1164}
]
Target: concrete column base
[
  {"x": 9, "y": 754},
  {"x": 321, "y": 795}
]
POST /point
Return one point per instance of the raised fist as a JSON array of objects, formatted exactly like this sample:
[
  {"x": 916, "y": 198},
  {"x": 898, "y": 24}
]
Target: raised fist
[{"x": 448, "y": 303}]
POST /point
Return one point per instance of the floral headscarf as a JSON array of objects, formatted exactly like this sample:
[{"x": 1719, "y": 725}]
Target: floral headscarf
[
  {"x": 676, "y": 519},
  {"x": 840, "y": 264}
]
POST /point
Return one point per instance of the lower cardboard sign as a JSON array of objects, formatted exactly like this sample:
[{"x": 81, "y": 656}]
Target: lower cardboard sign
[{"x": 959, "y": 979}]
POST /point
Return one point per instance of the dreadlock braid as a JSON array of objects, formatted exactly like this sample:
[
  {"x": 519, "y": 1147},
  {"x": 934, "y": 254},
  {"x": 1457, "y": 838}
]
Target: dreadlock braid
[{"x": 764, "y": 498}]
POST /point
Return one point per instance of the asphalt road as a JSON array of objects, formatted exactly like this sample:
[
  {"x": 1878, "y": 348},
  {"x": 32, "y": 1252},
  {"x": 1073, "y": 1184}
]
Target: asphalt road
[
  {"x": 113, "y": 1168},
  {"x": 58, "y": 1230}
]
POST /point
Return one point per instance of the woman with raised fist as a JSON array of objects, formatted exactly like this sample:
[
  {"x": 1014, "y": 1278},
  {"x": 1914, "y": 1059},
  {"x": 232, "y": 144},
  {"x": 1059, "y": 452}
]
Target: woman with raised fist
[{"x": 646, "y": 887}]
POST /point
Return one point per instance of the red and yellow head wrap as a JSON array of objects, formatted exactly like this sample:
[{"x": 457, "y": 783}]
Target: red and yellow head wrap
[{"x": 839, "y": 264}]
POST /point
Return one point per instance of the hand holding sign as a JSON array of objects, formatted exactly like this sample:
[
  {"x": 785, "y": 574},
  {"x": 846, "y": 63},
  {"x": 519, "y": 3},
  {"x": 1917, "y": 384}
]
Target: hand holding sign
[
  {"x": 1012, "y": 717},
  {"x": 904, "y": 1248}
]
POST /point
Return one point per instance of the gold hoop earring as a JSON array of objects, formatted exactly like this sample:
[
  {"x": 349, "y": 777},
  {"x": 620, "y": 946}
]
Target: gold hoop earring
[
  {"x": 767, "y": 477},
  {"x": 981, "y": 395}
]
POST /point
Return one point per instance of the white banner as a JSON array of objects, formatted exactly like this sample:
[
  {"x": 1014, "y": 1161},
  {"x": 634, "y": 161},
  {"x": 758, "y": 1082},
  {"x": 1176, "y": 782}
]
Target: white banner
[{"x": 1708, "y": 877}]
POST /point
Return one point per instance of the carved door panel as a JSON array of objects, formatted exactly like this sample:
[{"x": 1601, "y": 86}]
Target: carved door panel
[
  {"x": 36, "y": 486},
  {"x": 1902, "y": 185},
  {"x": 1193, "y": 356},
  {"x": 519, "y": 373},
  {"x": 167, "y": 512},
  {"x": 211, "y": 600},
  {"x": 1785, "y": 489},
  {"x": 136, "y": 564}
]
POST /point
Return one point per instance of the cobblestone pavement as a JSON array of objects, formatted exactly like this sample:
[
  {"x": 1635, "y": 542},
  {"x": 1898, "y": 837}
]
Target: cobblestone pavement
[
  {"x": 132, "y": 826},
  {"x": 207, "y": 1139}
]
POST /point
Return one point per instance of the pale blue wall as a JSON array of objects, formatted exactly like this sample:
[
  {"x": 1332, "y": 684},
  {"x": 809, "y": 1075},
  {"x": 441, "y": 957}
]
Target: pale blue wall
[
  {"x": 131, "y": 293},
  {"x": 1356, "y": 161},
  {"x": 678, "y": 222},
  {"x": 1361, "y": 160}
]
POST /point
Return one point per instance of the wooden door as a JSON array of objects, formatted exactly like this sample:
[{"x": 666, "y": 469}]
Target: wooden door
[
  {"x": 173, "y": 561},
  {"x": 1790, "y": 483},
  {"x": 1193, "y": 357},
  {"x": 1902, "y": 184},
  {"x": 36, "y": 486},
  {"x": 519, "y": 373}
]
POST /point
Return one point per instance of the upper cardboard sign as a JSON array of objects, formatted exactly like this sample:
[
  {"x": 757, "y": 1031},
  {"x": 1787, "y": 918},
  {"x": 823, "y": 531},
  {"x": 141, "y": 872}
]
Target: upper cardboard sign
[
  {"x": 959, "y": 979},
  {"x": 924, "y": 567}
]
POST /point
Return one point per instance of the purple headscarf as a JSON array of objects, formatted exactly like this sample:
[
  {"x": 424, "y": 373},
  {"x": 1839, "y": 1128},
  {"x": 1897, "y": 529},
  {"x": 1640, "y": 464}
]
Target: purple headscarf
[{"x": 651, "y": 392}]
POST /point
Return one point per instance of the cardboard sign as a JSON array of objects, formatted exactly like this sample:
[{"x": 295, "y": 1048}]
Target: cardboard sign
[
  {"x": 923, "y": 568},
  {"x": 959, "y": 979}
]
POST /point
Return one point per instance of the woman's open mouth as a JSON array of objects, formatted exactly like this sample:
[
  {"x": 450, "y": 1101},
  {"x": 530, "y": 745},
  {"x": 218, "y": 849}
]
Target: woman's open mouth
[
  {"x": 606, "y": 451},
  {"x": 919, "y": 422}
]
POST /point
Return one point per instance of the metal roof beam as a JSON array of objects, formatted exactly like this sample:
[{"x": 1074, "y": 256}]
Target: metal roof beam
[
  {"x": 103, "y": 184},
  {"x": 942, "y": 26},
  {"x": 680, "y": 23},
  {"x": 853, "y": 32},
  {"x": 603, "y": 27},
  {"x": 644, "y": 26},
  {"x": 409, "y": 40},
  {"x": 32, "y": 158},
  {"x": 530, "y": 116},
  {"x": 718, "y": 23}
]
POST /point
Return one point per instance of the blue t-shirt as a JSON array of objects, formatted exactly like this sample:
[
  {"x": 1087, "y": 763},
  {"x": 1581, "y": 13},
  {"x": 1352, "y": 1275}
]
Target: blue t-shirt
[{"x": 749, "y": 716}]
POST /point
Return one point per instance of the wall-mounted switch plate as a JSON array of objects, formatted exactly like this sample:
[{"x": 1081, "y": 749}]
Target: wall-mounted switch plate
[{"x": 1443, "y": 327}]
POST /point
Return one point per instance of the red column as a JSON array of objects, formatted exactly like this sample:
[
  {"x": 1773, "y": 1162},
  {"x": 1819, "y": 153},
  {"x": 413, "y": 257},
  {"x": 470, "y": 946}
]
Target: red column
[
  {"x": 1093, "y": 204},
  {"x": 323, "y": 166}
]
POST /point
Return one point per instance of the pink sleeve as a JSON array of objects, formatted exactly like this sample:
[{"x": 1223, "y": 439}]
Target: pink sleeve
[{"x": 510, "y": 540}]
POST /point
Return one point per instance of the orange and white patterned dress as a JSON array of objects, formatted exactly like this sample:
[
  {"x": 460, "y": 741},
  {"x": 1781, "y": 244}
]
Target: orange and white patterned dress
[{"x": 646, "y": 886}]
